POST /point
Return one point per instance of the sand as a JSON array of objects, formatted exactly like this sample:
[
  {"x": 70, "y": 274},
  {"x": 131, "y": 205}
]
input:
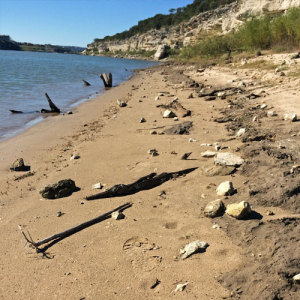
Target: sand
[{"x": 122, "y": 259}]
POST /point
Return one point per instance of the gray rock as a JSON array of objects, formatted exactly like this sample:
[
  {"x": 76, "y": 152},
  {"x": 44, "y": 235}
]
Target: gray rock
[
  {"x": 228, "y": 159},
  {"x": 208, "y": 153},
  {"x": 218, "y": 171},
  {"x": 192, "y": 248},
  {"x": 74, "y": 156},
  {"x": 225, "y": 189},
  {"x": 62, "y": 188},
  {"x": 181, "y": 128},
  {"x": 19, "y": 165},
  {"x": 142, "y": 120},
  {"x": 239, "y": 210},
  {"x": 153, "y": 152},
  {"x": 214, "y": 209}
]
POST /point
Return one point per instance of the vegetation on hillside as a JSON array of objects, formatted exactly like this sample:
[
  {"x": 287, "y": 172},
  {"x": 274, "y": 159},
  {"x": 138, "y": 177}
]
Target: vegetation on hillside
[
  {"x": 6, "y": 43},
  {"x": 175, "y": 17},
  {"x": 279, "y": 33}
]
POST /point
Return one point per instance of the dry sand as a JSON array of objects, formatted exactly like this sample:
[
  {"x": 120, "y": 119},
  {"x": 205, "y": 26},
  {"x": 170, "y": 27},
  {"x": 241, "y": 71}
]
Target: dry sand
[{"x": 246, "y": 259}]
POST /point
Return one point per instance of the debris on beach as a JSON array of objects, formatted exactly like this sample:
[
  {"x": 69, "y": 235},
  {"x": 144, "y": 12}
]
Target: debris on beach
[
  {"x": 75, "y": 156},
  {"x": 181, "y": 128},
  {"x": 121, "y": 103},
  {"x": 214, "y": 209},
  {"x": 62, "y": 188},
  {"x": 97, "y": 186},
  {"x": 208, "y": 154},
  {"x": 228, "y": 159},
  {"x": 118, "y": 215},
  {"x": 239, "y": 210},
  {"x": 144, "y": 183},
  {"x": 19, "y": 165},
  {"x": 186, "y": 155},
  {"x": 168, "y": 114},
  {"x": 192, "y": 248},
  {"x": 86, "y": 83},
  {"x": 218, "y": 171},
  {"x": 153, "y": 152},
  {"x": 181, "y": 286},
  {"x": 290, "y": 117},
  {"x": 225, "y": 189}
]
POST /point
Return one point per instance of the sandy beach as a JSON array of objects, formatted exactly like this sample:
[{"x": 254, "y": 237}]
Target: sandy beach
[{"x": 139, "y": 256}]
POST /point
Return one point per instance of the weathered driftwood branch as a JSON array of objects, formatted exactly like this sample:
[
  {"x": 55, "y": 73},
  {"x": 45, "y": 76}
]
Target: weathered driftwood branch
[
  {"x": 53, "y": 107},
  {"x": 86, "y": 83},
  {"x": 144, "y": 183},
  {"x": 107, "y": 81},
  {"x": 64, "y": 234}
]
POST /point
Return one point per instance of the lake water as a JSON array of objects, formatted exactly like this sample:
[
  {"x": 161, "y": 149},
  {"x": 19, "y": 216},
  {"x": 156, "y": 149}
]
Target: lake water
[{"x": 25, "y": 77}]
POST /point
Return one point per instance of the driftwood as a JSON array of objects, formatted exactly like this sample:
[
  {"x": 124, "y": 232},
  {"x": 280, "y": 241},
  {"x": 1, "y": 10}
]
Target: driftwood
[
  {"x": 107, "y": 81},
  {"x": 15, "y": 111},
  {"x": 54, "y": 108},
  {"x": 86, "y": 83},
  {"x": 52, "y": 240},
  {"x": 144, "y": 183},
  {"x": 180, "y": 110}
]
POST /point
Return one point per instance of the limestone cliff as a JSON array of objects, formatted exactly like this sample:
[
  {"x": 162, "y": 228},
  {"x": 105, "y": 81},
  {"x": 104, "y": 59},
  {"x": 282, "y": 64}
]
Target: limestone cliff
[{"x": 220, "y": 20}]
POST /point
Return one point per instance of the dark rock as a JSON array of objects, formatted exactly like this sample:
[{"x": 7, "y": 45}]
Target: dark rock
[
  {"x": 182, "y": 128},
  {"x": 19, "y": 165},
  {"x": 63, "y": 188}
]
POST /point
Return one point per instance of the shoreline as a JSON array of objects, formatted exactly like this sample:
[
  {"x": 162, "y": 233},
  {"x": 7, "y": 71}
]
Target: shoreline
[{"x": 125, "y": 258}]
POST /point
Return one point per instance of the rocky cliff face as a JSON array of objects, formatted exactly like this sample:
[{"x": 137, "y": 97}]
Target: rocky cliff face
[{"x": 220, "y": 20}]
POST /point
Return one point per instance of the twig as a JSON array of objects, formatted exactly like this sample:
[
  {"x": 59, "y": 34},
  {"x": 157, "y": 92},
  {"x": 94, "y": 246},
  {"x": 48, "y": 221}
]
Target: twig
[{"x": 62, "y": 235}]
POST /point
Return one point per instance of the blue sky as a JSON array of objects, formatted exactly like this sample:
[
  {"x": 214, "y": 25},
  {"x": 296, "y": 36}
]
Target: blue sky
[{"x": 75, "y": 22}]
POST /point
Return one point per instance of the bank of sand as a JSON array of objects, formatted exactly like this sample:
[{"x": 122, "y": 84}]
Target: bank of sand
[{"x": 123, "y": 259}]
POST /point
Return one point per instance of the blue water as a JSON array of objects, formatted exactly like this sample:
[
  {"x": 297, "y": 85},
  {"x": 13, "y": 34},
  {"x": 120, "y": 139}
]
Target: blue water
[{"x": 25, "y": 77}]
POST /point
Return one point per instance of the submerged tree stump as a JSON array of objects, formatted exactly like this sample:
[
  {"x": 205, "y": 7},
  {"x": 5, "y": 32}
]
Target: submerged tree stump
[
  {"x": 107, "y": 81},
  {"x": 54, "y": 108}
]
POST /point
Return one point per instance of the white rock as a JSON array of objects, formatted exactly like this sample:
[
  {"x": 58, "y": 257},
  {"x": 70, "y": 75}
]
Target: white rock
[
  {"x": 98, "y": 186},
  {"x": 228, "y": 159},
  {"x": 117, "y": 215},
  {"x": 263, "y": 106},
  {"x": 272, "y": 113},
  {"x": 206, "y": 145},
  {"x": 175, "y": 118},
  {"x": 290, "y": 117},
  {"x": 241, "y": 132},
  {"x": 180, "y": 287},
  {"x": 191, "y": 140},
  {"x": 156, "y": 98},
  {"x": 221, "y": 94},
  {"x": 254, "y": 119},
  {"x": 193, "y": 247},
  {"x": 121, "y": 103},
  {"x": 296, "y": 278},
  {"x": 225, "y": 189},
  {"x": 74, "y": 156},
  {"x": 241, "y": 84},
  {"x": 168, "y": 114},
  {"x": 208, "y": 153}
]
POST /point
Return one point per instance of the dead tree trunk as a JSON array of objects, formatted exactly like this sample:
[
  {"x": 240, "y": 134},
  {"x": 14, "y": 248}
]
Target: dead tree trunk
[
  {"x": 144, "y": 183},
  {"x": 64, "y": 234},
  {"x": 54, "y": 108},
  {"x": 106, "y": 81}
]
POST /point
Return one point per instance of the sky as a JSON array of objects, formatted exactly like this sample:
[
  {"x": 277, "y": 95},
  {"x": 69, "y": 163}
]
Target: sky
[{"x": 75, "y": 22}]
